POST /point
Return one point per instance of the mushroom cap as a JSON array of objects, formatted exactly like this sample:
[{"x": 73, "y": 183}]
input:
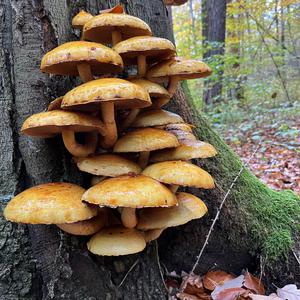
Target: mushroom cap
[
  {"x": 182, "y": 135},
  {"x": 51, "y": 203},
  {"x": 49, "y": 123},
  {"x": 55, "y": 104},
  {"x": 189, "y": 208},
  {"x": 175, "y": 2},
  {"x": 188, "y": 149},
  {"x": 110, "y": 165},
  {"x": 156, "y": 117},
  {"x": 155, "y": 90},
  {"x": 180, "y": 173},
  {"x": 154, "y": 48},
  {"x": 80, "y": 19},
  {"x": 124, "y": 94},
  {"x": 181, "y": 67},
  {"x": 99, "y": 28},
  {"x": 145, "y": 139},
  {"x": 63, "y": 60},
  {"x": 181, "y": 126},
  {"x": 117, "y": 240},
  {"x": 133, "y": 191}
]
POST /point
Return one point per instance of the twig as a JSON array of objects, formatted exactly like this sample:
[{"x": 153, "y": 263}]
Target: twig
[
  {"x": 296, "y": 257},
  {"x": 131, "y": 268},
  {"x": 159, "y": 266}
]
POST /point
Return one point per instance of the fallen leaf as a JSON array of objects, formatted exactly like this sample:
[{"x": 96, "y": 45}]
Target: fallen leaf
[
  {"x": 289, "y": 292},
  {"x": 192, "y": 284},
  {"x": 234, "y": 283},
  {"x": 254, "y": 284},
  {"x": 261, "y": 297},
  {"x": 184, "y": 296},
  {"x": 214, "y": 278},
  {"x": 232, "y": 294}
]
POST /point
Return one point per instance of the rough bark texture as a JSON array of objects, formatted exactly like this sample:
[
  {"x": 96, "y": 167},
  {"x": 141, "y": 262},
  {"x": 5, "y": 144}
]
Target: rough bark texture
[{"x": 40, "y": 262}]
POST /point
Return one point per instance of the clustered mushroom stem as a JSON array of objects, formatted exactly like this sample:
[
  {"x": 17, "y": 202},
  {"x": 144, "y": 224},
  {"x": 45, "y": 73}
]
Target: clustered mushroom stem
[
  {"x": 173, "y": 188},
  {"x": 85, "y": 72},
  {"x": 116, "y": 37},
  {"x": 77, "y": 149},
  {"x": 108, "y": 117},
  {"x": 153, "y": 234},
  {"x": 128, "y": 217},
  {"x": 130, "y": 119},
  {"x": 143, "y": 159},
  {"x": 172, "y": 86},
  {"x": 142, "y": 65}
]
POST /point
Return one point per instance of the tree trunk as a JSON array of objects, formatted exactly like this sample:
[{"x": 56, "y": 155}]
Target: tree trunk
[
  {"x": 213, "y": 32},
  {"x": 41, "y": 262}
]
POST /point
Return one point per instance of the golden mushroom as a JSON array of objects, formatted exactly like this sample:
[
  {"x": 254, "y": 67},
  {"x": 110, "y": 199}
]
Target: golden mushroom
[
  {"x": 55, "y": 104},
  {"x": 50, "y": 123},
  {"x": 81, "y": 58},
  {"x": 80, "y": 19}
]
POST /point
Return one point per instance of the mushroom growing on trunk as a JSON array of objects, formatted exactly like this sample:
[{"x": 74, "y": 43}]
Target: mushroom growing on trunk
[{"x": 80, "y": 19}]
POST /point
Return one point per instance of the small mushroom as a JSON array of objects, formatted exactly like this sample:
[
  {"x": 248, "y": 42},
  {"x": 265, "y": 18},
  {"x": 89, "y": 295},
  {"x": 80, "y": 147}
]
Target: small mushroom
[
  {"x": 180, "y": 173},
  {"x": 175, "y": 2},
  {"x": 80, "y": 19},
  {"x": 55, "y": 104},
  {"x": 112, "y": 28},
  {"x": 144, "y": 140},
  {"x": 116, "y": 241},
  {"x": 81, "y": 58},
  {"x": 106, "y": 94},
  {"x": 143, "y": 50},
  {"x": 130, "y": 192},
  {"x": 176, "y": 69},
  {"x": 177, "y": 126},
  {"x": 48, "y": 124}
]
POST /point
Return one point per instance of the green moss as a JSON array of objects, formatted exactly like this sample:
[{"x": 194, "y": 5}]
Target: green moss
[{"x": 263, "y": 219}]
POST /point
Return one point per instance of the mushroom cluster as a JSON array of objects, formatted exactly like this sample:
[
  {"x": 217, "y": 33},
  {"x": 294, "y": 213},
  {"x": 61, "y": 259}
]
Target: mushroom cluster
[{"x": 136, "y": 153}]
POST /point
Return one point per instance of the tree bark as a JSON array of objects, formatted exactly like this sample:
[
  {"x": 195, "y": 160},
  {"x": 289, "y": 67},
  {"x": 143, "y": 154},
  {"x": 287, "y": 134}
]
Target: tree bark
[{"x": 41, "y": 262}]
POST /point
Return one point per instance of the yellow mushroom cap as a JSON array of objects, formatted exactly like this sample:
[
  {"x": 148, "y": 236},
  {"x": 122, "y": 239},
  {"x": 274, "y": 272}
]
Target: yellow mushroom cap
[
  {"x": 155, "y": 90},
  {"x": 183, "y": 135},
  {"x": 181, "y": 126},
  {"x": 180, "y": 173},
  {"x": 110, "y": 165},
  {"x": 80, "y": 19},
  {"x": 52, "y": 203},
  {"x": 124, "y": 94},
  {"x": 117, "y": 240},
  {"x": 130, "y": 191},
  {"x": 145, "y": 139},
  {"x": 99, "y": 28},
  {"x": 183, "y": 68},
  {"x": 189, "y": 208},
  {"x": 50, "y": 123},
  {"x": 188, "y": 149},
  {"x": 63, "y": 60},
  {"x": 156, "y": 117},
  {"x": 154, "y": 48}
]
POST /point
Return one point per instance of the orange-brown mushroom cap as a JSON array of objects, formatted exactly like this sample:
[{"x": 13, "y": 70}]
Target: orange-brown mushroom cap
[{"x": 80, "y": 19}]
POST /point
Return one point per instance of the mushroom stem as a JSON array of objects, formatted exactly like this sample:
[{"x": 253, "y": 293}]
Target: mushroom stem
[
  {"x": 116, "y": 37},
  {"x": 85, "y": 72},
  {"x": 142, "y": 65},
  {"x": 128, "y": 217},
  {"x": 172, "y": 86},
  {"x": 153, "y": 234},
  {"x": 77, "y": 149},
  {"x": 173, "y": 188},
  {"x": 108, "y": 117},
  {"x": 143, "y": 159},
  {"x": 130, "y": 119}
]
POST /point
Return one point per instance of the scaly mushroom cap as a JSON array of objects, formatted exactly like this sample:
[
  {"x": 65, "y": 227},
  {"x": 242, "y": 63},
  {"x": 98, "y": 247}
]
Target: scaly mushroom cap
[
  {"x": 109, "y": 165},
  {"x": 99, "y": 28},
  {"x": 155, "y": 90},
  {"x": 55, "y": 104},
  {"x": 49, "y": 123},
  {"x": 124, "y": 94},
  {"x": 63, "y": 60},
  {"x": 187, "y": 150},
  {"x": 80, "y": 19},
  {"x": 145, "y": 139},
  {"x": 189, "y": 208},
  {"x": 117, "y": 240},
  {"x": 154, "y": 48},
  {"x": 130, "y": 191},
  {"x": 183, "y": 68},
  {"x": 52, "y": 203},
  {"x": 180, "y": 173},
  {"x": 156, "y": 117}
]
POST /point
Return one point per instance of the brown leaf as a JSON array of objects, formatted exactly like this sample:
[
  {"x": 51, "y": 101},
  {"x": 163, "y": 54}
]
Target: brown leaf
[
  {"x": 233, "y": 294},
  {"x": 192, "y": 284},
  {"x": 214, "y": 278},
  {"x": 254, "y": 284},
  {"x": 184, "y": 296}
]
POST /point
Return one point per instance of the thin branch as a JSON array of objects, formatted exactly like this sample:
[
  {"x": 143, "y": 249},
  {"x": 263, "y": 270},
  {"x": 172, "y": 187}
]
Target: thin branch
[
  {"x": 296, "y": 257},
  {"x": 131, "y": 268},
  {"x": 159, "y": 266}
]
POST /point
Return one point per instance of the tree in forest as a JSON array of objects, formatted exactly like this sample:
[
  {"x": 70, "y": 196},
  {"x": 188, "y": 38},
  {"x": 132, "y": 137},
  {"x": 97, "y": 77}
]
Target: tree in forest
[{"x": 256, "y": 226}]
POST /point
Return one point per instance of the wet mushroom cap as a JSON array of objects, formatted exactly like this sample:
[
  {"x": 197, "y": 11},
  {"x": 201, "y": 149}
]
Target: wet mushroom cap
[
  {"x": 52, "y": 203},
  {"x": 117, "y": 240},
  {"x": 180, "y": 173},
  {"x": 189, "y": 208},
  {"x": 63, "y": 60},
  {"x": 55, "y": 104},
  {"x": 130, "y": 191},
  {"x": 145, "y": 139},
  {"x": 154, "y": 48},
  {"x": 50, "y": 123},
  {"x": 188, "y": 149},
  {"x": 182, "y": 135},
  {"x": 80, "y": 19},
  {"x": 183, "y": 68},
  {"x": 88, "y": 96},
  {"x": 181, "y": 126},
  {"x": 99, "y": 28},
  {"x": 156, "y": 117},
  {"x": 109, "y": 165},
  {"x": 155, "y": 90}
]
